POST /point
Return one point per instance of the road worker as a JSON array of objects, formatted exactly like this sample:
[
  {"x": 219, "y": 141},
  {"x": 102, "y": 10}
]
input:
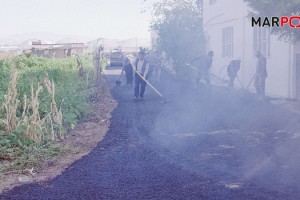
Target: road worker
[
  {"x": 261, "y": 75},
  {"x": 141, "y": 69}
]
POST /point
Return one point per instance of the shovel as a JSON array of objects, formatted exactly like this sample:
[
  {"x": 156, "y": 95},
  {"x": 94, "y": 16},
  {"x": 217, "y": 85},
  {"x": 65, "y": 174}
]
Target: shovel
[
  {"x": 164, "y": 100},
  {"x": 118, "y": 82}
]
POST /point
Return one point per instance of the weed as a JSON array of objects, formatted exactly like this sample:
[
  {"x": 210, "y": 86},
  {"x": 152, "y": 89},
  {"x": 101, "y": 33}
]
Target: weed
[{"x": 41, "y": 98}]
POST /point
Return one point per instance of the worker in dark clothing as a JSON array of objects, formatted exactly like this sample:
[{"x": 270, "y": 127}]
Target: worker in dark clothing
[
  {"x": 202, "y": 65},
  {"x": 232, "y": 70},
  {"x": 127, "y": 67},
  {"x": 204, "y": 68},
  {"x": 261, "y": 75},
  {"x": 141, "y": 69}
]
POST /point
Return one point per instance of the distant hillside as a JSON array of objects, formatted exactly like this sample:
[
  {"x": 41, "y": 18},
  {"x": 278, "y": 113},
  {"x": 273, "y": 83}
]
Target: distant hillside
[
  {"x": 23, "y": 41},
  {"x": 128, "y": 45},
  {"x": 20, "y": 38}
]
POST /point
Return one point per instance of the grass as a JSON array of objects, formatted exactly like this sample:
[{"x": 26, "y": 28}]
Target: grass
[{"x": 40, "y": 100}]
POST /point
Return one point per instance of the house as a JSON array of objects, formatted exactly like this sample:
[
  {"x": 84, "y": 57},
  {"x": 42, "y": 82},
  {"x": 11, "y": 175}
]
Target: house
[
  {"x": 59, "y": 50},
  {"x": 229, "y": 34},
  {"x": 128, "y": 46}
]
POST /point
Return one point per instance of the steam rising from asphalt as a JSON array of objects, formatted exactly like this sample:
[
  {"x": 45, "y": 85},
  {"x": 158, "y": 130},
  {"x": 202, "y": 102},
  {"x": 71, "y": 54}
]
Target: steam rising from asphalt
[{"x": 228, "y": 135}]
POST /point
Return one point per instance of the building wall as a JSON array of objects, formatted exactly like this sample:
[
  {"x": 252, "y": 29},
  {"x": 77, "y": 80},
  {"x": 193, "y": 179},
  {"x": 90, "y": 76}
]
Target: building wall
[
  {"x": 296, "y": 70},
  {"x": 280, "y": 64}
]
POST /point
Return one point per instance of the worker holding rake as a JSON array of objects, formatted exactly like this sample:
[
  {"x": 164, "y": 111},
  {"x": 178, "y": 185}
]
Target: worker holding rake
[{"x": 141, "y": 74}]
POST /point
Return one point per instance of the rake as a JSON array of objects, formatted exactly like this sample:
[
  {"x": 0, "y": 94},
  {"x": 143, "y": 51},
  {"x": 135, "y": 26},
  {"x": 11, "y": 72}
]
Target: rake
[{"x": 164, "y": 100}]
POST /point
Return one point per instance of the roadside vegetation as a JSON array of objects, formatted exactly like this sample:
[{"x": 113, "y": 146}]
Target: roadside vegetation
[
  {"x": 179, "y": 26},
  {"x": 40, "y": 99}
]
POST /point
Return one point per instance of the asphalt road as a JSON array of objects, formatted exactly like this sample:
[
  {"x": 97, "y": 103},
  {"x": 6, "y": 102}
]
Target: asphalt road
[{"x": 222, "y": 144}]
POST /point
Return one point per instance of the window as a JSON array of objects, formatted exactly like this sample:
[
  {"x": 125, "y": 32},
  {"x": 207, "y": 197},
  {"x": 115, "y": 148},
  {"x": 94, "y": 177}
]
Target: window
[
  {"x": 227, "y": 49},
  {"x": 211, "y": 2},
  {"x": 261, "y": 41}
]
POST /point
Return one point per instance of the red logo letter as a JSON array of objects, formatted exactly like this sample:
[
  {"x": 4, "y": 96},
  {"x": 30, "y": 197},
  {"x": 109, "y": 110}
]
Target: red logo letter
[
  {"x": 291, "y": 22},
  {"x": 283, "y": 20}
]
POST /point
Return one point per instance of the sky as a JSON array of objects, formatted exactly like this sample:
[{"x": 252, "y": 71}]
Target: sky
[{"x": 116, "y": 19}]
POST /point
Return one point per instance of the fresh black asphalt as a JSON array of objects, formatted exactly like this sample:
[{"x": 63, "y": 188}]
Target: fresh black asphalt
[{"x": 222, "y": 144}]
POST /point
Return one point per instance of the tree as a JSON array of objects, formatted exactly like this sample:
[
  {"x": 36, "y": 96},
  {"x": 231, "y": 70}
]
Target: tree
[
  {"x": 180, "y": 32},
  {"x": 277, "y": 8}
]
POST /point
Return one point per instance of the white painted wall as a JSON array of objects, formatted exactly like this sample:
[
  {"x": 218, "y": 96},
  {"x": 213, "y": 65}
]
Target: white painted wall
[
  {"x": 280, "y": 65},
  {"x": 295, "y": 50}
]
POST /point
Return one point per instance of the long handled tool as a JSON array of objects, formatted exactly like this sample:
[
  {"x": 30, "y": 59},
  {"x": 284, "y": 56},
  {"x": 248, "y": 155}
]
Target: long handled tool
[
  {"x": 118, "y": 82},
  {"x": 211, "y": 75},
  {"x": 217, "y": 78},
  {"x": 251, "y": 81},
  {"x": 192, "y": 66},
  {"x": 240, "y": 81},
  {"x": 245, "y": 92},
  {"x": 164, "y": 99}
]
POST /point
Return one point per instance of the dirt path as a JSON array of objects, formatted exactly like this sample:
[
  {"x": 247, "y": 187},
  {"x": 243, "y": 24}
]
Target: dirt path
[{"x": 224, "y": 145}]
